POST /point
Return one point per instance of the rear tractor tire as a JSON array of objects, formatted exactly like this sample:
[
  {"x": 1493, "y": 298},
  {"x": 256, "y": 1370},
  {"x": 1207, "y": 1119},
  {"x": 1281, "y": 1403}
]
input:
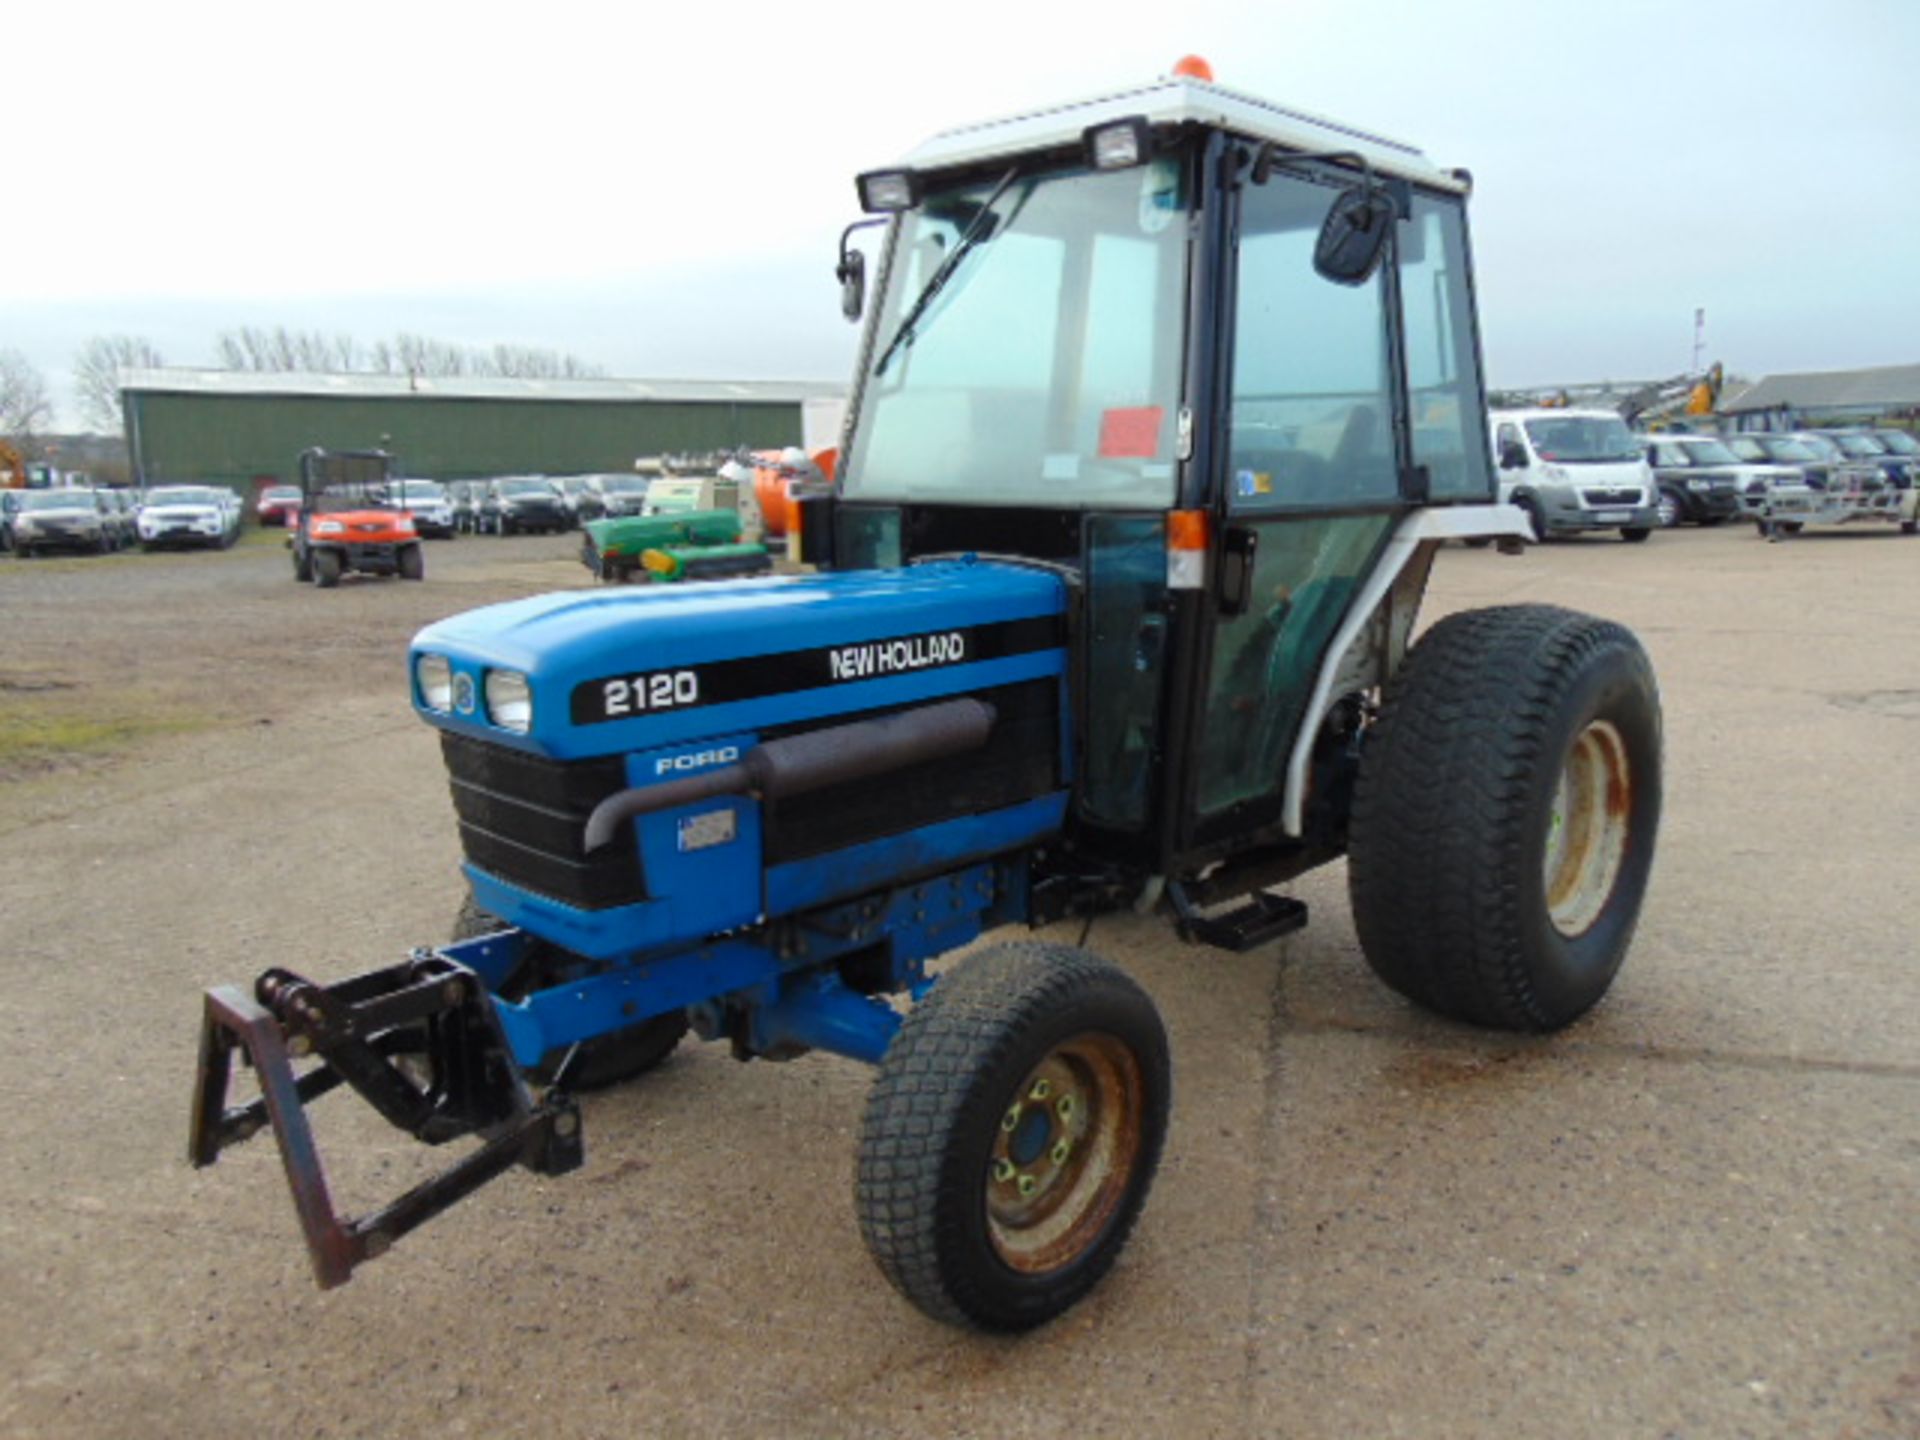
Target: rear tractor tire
[
  {"x": 602, "y": 1062},
  {"x": 1505, "y": 814},
  {"x": 1011, "y": 1135}
]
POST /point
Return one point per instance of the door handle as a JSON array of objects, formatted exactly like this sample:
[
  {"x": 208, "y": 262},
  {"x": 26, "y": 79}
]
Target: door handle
[{"x": 1238, "y": 548}]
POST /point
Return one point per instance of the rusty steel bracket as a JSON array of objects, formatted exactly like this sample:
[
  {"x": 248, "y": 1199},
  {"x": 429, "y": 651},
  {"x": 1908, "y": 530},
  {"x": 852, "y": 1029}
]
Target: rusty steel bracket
[{"x": 543, "y": 1136}]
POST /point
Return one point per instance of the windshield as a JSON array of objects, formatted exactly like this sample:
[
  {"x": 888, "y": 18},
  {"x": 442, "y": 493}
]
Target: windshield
[
  {"x": 281, "y": 492},
  {"x": 1583, "y": 439},
  {"x": 1046, "y": 367},
  {"x": 1898, "y": 441},
  {"x": 1790, "y": 452},
  {"x": 526, "y": 487},
  {"x": 1708, "y": 452},
  {"x": 58, "y": 500},
  {"x": 1860, "y": 446},
  {"x": 420, "y": 490},
  {"x": 182, "y": 497},
  {"x": 1821, "y": 447}
]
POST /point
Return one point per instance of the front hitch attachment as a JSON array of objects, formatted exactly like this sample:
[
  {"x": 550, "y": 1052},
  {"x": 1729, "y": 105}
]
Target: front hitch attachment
[{"x": 418, "y": 1041}]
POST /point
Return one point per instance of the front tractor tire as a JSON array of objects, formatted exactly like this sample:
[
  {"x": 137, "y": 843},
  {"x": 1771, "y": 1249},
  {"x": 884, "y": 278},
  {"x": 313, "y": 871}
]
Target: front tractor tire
[
  {"x": 603, "y": 1062},
  {"x": 1504, "y": 818},
  {"x": 413, "y": 562},
  {"x": 1012, "y": 1134},
  {"x": 326, "y": 568}
]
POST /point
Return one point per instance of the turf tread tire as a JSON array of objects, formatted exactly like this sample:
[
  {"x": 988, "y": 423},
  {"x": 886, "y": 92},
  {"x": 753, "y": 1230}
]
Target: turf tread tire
[
  {"x": 1449, "y": 814},
  {"x": 944, "y": 1082}
]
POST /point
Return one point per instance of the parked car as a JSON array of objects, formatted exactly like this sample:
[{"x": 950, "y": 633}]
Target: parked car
[
  {"x": 520, "y": 504},
  {"x": 572, "y": 490},
  {"x": 464, "y": 497},
  {"x": 609, "y": 497},
  {"x": 428, "y": 503},
  {"x": 79, "y": 520},
  {"x": 9, "y": 502},
  {"x": 183, "y": 516},
  {"x": 277, "y": 506},
  {"x": 1700, "y": 479},
  {"x": 1898, "y": 470},
  {"x": 1574, "y": 470}
]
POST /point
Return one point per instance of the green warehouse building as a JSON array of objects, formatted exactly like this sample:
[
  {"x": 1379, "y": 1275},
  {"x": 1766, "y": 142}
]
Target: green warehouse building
[{"x": 245, "y": 430}]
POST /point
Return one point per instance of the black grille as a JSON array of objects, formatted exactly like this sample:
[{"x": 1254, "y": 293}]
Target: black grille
[
  {"x": 1611, "y": 497},
  {"x": 522, "y": 818},
  {"x": 1019, "y": 762}
]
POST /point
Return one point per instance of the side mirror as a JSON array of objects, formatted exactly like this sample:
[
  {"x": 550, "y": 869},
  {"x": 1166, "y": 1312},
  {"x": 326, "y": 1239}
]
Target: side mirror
[
  {"x": 851, "y": 272},
  {"x": 1354, "y": 235},
  {"x": 1512, "y": 457}
]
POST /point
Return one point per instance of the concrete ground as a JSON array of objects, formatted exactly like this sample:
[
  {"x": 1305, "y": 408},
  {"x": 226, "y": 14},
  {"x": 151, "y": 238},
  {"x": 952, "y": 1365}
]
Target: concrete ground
[{"x": 1696, "y": 1213}]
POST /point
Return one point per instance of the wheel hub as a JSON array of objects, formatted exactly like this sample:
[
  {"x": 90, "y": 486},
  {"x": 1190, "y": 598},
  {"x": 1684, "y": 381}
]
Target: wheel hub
[
  {"x": 1587, "y": 828},
  {"x": 1066, "y": 1146}
]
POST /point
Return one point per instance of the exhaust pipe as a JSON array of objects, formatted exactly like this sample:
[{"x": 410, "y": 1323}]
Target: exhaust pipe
[{"x": 819, "y": 758}]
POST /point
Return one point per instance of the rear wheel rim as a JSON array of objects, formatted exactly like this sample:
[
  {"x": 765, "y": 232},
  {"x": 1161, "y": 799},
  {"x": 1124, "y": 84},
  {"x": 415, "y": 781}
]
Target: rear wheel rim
[
  {"x": 1065, "y": 1153},
  {"x": 1587, "y": 828},
  {"x": 1669, "y": 510}
]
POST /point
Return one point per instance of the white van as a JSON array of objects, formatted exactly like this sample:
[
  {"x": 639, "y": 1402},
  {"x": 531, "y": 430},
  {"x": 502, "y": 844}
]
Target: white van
[{"x": 1573, "y": 470}]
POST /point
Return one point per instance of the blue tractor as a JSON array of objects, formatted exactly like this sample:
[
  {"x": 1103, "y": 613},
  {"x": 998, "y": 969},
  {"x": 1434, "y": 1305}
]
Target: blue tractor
[{"x": 1165, "y": 405}]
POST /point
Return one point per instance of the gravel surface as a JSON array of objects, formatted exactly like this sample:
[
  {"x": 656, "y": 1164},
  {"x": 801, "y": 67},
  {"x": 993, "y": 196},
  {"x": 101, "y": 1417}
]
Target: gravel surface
[{"x": 1693, "y": 1214}]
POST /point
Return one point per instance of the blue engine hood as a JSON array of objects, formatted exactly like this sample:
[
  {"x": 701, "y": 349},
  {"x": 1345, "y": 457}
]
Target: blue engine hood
[{"x": 735, "y": 656}]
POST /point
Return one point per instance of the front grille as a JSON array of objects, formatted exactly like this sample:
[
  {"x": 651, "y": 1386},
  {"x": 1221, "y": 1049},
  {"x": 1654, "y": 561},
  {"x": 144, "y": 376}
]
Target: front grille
[
  {"x": 1611, "y": 497},
  {"x": 522, "y": 818},
  {"x": 1020, "y": 761}
]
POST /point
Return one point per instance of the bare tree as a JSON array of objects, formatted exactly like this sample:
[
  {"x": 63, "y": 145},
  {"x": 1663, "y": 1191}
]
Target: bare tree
[
  {"x": 26, "y": 409},
  {"x": 96, "y": 376},
  {"x": 280, "y": 349}
]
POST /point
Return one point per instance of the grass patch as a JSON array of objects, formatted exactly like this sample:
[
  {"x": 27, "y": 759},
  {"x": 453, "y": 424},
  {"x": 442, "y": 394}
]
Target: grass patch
[{"x": 55, "y": 728}]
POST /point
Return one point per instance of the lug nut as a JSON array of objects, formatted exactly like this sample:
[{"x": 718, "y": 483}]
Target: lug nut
[
  {"x": 1027, "y": 1186},
  {"x": 1061, "y": 1151},
  {"x": 1002, "y": 1171},
  {"x": 1011, "y": 1120},
  {"x": 1064, "y": 1107},
  {"x": 1041, "y": 1089}
]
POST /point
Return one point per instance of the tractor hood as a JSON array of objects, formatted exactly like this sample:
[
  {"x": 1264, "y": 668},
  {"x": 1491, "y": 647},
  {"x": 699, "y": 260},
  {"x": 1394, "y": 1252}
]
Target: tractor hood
[{"x": 619, "y": 670}]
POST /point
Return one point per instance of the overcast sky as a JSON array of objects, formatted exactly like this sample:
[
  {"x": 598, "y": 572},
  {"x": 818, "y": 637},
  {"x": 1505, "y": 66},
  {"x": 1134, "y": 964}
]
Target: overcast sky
[{"x": 657, "y": 187}]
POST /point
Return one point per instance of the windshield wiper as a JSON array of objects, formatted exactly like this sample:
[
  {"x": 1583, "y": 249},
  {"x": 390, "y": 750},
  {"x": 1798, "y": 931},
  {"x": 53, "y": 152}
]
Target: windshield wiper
[{"x": 977, "y": 232}]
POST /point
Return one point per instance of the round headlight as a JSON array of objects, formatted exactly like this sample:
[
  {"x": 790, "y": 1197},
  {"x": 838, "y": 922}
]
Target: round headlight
[
  {"x": 509, "y": 700},
  {"x": 435, "y": 677}
]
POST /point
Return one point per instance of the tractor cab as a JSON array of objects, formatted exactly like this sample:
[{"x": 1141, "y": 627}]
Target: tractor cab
[{"x": 1214, "y": 358}]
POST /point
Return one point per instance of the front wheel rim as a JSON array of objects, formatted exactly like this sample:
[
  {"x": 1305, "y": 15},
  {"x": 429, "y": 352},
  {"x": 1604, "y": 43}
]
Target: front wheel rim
[
  {"x": 1065, "y": 1153},
  {"x": 1587, "y": 828}
]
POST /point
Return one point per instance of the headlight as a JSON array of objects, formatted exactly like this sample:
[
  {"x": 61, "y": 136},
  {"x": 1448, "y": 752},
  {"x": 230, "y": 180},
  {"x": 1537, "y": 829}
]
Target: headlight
[
  {"x": 405, "y": 525},
  {"x": 435, "y": 677},
  {"x": 329, "y": 527},
  {"x": 1699, "y": 483},
  {"x": 509, "y": 700}
]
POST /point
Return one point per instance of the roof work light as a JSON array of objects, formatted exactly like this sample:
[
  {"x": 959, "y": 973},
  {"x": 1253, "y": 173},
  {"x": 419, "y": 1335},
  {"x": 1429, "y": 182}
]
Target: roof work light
[
  {"x": 884, "y": 191},
  {"x": 1118, "y": 144}
]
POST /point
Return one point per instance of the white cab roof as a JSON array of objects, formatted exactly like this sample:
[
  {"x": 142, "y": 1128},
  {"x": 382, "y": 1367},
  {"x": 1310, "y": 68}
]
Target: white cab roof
[
  {"x": 1561, "y": 412},
  {"x": 1171, "y": 101}
]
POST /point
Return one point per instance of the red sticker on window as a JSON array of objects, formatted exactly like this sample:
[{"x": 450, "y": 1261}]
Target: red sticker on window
[{"x": 1130, "y": 434}]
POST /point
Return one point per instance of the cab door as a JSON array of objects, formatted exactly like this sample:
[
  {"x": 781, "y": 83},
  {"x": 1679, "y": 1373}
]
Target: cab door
[{"x": 1333, "y": 431}]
